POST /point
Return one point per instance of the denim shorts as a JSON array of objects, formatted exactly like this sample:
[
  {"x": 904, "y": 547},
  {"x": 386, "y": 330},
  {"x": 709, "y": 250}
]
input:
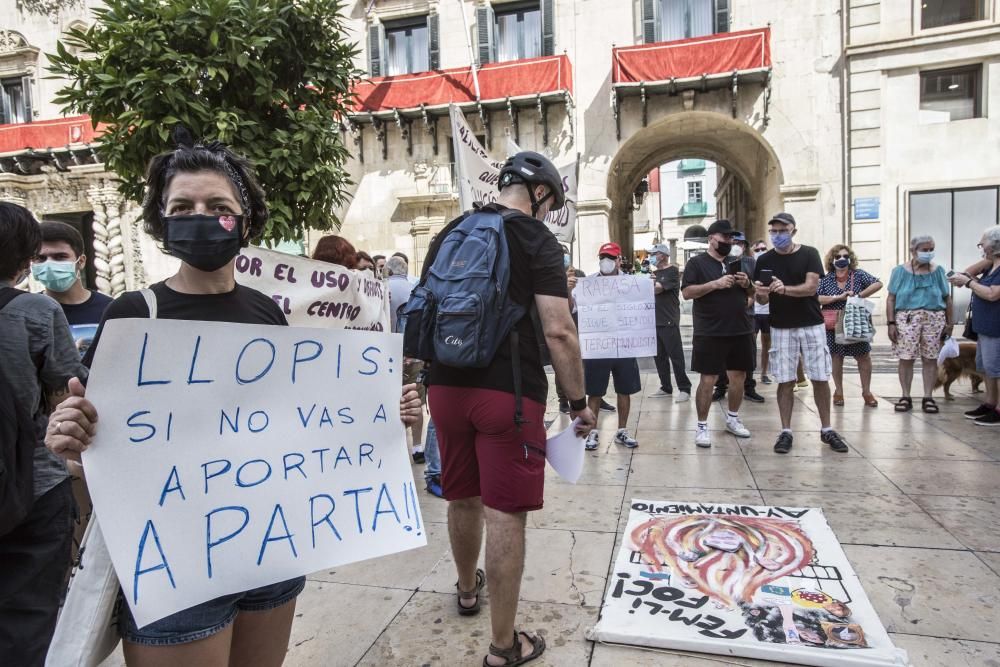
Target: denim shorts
[
  {"x": 205, "y": 619},
  {"x": 988, "y": 355}
]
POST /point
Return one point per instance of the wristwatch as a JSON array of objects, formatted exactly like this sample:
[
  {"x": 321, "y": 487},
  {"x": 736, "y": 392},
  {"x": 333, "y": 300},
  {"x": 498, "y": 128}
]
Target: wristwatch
[{"x": 578, "y": 405}]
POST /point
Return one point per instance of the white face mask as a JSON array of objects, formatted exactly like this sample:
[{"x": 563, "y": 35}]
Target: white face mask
[
  {"x": 736, "y": 251},
  {"x": 607, "y": 266}
]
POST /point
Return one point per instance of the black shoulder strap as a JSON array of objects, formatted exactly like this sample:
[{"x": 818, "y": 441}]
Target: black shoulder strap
[{"x": 8, "y": 294}]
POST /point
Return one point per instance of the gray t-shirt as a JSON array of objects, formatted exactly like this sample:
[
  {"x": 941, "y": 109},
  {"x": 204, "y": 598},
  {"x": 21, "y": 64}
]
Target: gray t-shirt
[
  {"x": 400, "y": 288},
  {"x": 38, "y": 354}
]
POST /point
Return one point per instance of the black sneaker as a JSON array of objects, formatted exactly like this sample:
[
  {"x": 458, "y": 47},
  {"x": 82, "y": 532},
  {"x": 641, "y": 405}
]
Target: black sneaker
[
  {"x": 752, "y": 395},
  {"x": 833, "y": 439},
  {"x": 418, "y": 457},
  {"x": 990, "y": 419},
  {"x": 564, "y": 407},
  {"x": 607, "y": 407},
  {"x": 783, "y": 444},
  {"x": 981, "y": 411},
  {"x": 718, "y": 394}
]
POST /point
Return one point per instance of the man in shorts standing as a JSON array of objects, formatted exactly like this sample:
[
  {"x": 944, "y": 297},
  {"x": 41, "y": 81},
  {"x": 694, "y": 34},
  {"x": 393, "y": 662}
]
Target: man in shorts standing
[
  {"x": 493, "y": 469},
  {"x": 722, "y": 329},
  {"x": 598, "y": 372},
  {"x": 787, "y": 277}
]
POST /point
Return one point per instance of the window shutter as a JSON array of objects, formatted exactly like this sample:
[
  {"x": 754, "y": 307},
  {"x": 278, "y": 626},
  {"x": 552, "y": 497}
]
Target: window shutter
[
  {"x": 484, "y": 33},
  {"x": 650, "y": 21},
  {"x": 721, "y": 15},
  {"x": 548, "y": 27},
  {"x": 433, "y": 42},
  {"x": 26, "y": 96},
  {"x": 375, "y": 50}
]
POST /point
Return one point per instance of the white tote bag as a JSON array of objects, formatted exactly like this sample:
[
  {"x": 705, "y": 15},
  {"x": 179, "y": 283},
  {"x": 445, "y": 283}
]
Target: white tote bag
[{"x": 87, "y": 631}]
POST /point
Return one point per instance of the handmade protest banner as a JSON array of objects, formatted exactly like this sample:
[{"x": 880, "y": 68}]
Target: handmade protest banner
[
  {"x": 478, "y": 175},
  {"x": 770, "y": 583},
  {"x": 617, "y": 316},
  {"x": 313, "y": 293},
  {"x": 233, "y": 456}
]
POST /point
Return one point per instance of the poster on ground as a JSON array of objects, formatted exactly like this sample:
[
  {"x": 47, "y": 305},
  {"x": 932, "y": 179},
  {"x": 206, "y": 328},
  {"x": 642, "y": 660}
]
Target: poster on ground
[
  {"x": 617, "y": 316},
  {"x": 313, "y": 293},
  {"x": 770, "y": 583},
  {"x": 234, "y": 456},
  {"x": 478, "y": 175}
]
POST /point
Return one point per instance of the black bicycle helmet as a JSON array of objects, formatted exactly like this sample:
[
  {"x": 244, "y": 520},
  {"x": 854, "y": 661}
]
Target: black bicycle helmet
[{"x": 531, "y": 168}]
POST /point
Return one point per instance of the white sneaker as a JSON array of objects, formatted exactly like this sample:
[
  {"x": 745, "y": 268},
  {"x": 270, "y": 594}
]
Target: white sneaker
[
  {"x": 591, "y": 442},
  {"x": 682, "y": 397},
  {"x": 623, "y": 438},
  {"x": 659, "y": 393},
  {"x": 736, "y": 427},
  {"x": 703, "y": 438}
]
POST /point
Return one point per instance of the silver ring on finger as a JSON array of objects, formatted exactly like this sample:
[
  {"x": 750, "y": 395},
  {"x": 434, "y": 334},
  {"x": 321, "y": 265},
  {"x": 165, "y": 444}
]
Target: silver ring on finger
[{"x": 58, "y": 428}]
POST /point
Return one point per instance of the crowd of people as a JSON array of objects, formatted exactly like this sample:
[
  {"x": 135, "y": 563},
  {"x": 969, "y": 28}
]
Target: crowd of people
[{"x": 484, "y": 448}]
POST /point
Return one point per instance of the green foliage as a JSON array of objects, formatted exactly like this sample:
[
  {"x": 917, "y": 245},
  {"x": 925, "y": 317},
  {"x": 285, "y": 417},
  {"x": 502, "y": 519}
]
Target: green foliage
[{"x": 267, "y": 77}]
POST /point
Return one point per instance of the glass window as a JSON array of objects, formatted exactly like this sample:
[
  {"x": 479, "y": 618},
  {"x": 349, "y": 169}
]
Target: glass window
[
  {"x": 951, "y": 94},
  {"x": 13, "y": 107},
  {"x": 694, "y": 192},
  {"x": 518, "y": 32},
  {"x": 937, "y": 13},
  {"x": 681, "y": 19},
  {"x": 406, "y": 49}
]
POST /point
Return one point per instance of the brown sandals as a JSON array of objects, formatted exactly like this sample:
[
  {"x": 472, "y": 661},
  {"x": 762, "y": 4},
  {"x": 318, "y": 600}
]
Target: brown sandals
[
  {"x": 471, "y": 595},
  {"x": 513, "y": 656},
  {"x": 869, "y": 399}
]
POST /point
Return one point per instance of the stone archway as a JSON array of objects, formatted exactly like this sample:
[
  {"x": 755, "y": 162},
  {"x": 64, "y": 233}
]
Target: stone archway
[{"x": 702, "y": 134}]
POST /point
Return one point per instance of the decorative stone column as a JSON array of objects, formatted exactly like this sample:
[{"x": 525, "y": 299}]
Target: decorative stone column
[{"x": 109, "y": 255}]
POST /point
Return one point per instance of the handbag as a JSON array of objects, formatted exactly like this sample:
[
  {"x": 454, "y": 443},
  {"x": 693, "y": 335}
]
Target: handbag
[
  {"x": 968, "y": 333},
  {"x": 854, "y": 325},
  {"x": 830, "y": 318},
  {"x": 87, "y": 629}
]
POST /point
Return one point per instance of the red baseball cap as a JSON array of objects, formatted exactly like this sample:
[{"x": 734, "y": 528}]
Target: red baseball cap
[{"x": 612, "y": 249}]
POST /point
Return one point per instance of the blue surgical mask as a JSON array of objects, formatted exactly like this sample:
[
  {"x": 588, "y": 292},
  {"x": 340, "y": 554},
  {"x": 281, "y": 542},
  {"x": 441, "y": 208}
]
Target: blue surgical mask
[
  {"x": 781, "y": 240},
  {"x": 55, "y": 276},
  {"x": 842, "y": 263},
  {"x": 925, "y": 257}
]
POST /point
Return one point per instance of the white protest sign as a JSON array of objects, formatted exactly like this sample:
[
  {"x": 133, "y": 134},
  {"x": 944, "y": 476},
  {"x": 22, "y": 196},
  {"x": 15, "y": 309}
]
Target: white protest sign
[
  {"x": 617, "y": 316},
  {"x": 313, "y": 293},
  {"x": 233, "y": 456},
  {"x": 770, "y": 583}
]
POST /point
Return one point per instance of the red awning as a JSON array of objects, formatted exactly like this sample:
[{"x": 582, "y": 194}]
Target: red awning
[
  {"x": 496, "y": 81},
  {"x": 47, "y": 134},
  {"x": 713, "y": 54}
]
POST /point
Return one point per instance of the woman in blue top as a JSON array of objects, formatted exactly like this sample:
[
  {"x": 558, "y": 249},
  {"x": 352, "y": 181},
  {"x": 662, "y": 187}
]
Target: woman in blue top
[
  {"x": 843, "y": 280},
  {"x": 986, "y": 323},
  {"x": 918, "y": 311}
]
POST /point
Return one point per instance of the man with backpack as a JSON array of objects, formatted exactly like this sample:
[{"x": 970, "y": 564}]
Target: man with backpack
[
  {"x": 471, "y": 315},
  {"x": 37, "y": 358}
]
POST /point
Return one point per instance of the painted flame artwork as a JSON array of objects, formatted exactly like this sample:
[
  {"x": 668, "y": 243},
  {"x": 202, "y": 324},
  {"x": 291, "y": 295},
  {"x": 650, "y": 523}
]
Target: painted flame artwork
[{"x": 726, "y": 558}]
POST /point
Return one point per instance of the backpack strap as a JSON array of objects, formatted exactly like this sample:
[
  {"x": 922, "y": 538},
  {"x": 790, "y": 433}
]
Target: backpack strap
[
  {"x": 8, "y": 294},
  {"x": 515, "y": 344},
  {"x": 149, "y": 296}
]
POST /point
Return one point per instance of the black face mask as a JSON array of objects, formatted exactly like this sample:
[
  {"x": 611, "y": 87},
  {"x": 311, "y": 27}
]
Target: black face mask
[
  {"x": 206, "y": 242},
  {"x": 723, "y": 248}
]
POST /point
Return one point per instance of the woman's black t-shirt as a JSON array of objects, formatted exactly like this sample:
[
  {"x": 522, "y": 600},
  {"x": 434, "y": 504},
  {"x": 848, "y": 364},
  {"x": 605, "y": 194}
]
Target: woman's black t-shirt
[{"x": 242, "y": 305}]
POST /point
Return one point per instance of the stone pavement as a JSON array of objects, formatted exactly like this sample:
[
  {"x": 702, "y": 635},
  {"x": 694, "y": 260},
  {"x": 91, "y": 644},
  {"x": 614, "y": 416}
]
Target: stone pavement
[{"x": 916, "y": 504}]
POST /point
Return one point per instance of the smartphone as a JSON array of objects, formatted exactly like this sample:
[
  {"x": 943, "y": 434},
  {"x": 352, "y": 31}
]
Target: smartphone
[
  {"x": 766, "y": 276},
  {"x": 950, "y": 274},
  {"x": 733, "y": 268}
]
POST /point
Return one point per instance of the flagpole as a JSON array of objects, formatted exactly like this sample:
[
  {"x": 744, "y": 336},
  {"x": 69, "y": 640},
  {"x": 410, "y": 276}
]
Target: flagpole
[{"x": 468, "y": 44}]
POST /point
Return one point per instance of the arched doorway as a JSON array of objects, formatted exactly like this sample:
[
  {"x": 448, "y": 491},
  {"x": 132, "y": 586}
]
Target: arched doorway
[{"x": 734, "y": 145}]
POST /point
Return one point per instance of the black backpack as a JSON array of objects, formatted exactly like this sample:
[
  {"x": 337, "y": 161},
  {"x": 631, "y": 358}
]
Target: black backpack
[{"x": 18, "y": 440}]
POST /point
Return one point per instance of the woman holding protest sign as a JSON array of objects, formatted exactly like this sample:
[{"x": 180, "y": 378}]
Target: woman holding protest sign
[{"x": 203, "y": 203}]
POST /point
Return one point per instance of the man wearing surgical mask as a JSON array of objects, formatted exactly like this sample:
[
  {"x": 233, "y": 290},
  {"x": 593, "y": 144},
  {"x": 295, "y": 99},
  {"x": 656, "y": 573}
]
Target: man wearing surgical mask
[{"x": 59, "y": 268}]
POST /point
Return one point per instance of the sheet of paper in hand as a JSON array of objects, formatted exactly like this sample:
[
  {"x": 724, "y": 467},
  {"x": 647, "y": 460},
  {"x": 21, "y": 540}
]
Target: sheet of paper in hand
[
  {"x": 233, "y": 456},
  {"x": 617, "y": 316},
  {"x": 770, "y": 583},
  {"x": 313, "y": 293}
]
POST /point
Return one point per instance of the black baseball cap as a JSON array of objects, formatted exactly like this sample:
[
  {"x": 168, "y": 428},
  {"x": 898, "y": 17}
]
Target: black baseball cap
[
  {"x": 783, "y": 217},
  {"x": 721, "y": 227}
]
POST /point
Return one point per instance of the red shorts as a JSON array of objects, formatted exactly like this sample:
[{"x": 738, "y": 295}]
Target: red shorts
[{"x": 483, "y": 453}]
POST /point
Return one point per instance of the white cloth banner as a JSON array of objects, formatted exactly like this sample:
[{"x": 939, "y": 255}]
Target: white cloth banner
[
  {"x": 234, "y": 456},
  {"x": 617, "y": 316},
  {"x": 478, "y": 175},
  {"x": 313, "y": 293},
  {"x": 770, "y": 583}
]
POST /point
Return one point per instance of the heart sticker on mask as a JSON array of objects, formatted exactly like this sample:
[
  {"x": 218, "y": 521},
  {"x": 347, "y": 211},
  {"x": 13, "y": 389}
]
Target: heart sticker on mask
[{"x": 228, "y": 222}]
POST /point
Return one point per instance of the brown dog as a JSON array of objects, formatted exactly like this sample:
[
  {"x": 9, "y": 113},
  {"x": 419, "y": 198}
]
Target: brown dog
[{"x": 962, "y": 365}]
